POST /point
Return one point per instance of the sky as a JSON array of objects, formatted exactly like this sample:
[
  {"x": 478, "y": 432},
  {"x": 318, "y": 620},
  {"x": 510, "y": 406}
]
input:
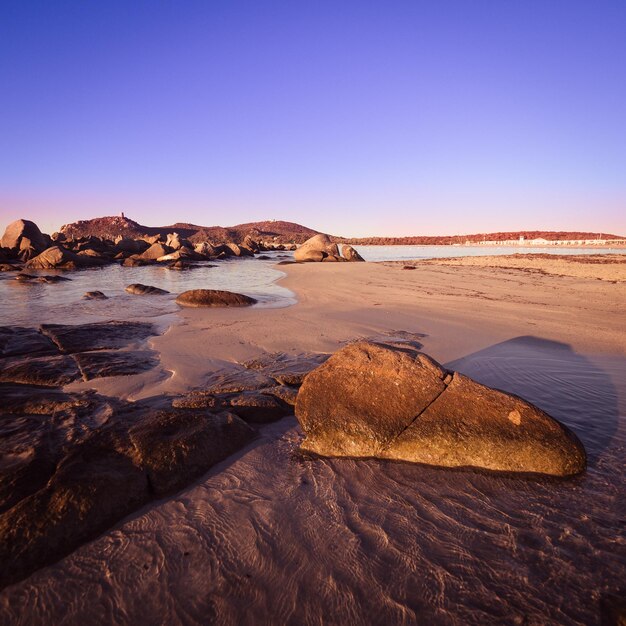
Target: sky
[{"x": 355, "y": 118}]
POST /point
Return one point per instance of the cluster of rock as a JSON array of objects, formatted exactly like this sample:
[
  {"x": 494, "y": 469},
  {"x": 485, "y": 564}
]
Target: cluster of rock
[
  {"x": 322, "y": 248},
  {"x": 77, "y": 462},
  {"x": 23, "y": 241}
]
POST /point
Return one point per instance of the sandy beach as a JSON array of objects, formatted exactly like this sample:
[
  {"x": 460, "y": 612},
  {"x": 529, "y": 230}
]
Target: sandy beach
[{"x": 271, "y": 536}]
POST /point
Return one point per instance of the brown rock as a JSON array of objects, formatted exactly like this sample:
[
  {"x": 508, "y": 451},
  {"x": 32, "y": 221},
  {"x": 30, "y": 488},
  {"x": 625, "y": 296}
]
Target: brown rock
[
  {"x": 98, "y": 336},
  {"x": 175, "y": 447},
  {"x": 396, "y": 403},
  {"x": 138, "y": 289},
  {"x": 17, "y": 340},
  {"x": 94, "y": 295},
  {"x": 316, "y": 249},
  {"x": 155, "y": 251},
  {"x": 48, "y": 371},
  {"x": 114, "y": 363},
  {"x": 350, "y": 254},
  {"x": 213, "y": 297},
  {"x": 58, "y": 257},
  {"x": 23, "y": 229}
]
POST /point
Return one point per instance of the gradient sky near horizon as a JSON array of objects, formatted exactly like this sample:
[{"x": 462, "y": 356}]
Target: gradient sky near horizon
[{"x": 355, "y": 118}]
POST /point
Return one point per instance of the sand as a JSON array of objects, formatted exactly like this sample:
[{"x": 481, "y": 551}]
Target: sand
[{"x": 270, "y": 536}]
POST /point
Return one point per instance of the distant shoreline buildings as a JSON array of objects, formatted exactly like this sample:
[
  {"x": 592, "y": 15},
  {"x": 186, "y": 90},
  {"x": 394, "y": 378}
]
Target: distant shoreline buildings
[{"x": 540, "y": 241}]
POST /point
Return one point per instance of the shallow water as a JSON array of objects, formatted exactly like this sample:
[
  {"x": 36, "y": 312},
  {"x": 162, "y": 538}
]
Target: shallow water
[
  {"x": 26, "y": 304},
  {"x": 271, "y": 536},
  {"x": 406, "y": 253}
]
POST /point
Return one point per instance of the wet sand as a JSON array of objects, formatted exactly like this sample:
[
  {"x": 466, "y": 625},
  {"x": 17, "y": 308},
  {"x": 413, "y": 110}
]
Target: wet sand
[{"x": 271, "y": 536}]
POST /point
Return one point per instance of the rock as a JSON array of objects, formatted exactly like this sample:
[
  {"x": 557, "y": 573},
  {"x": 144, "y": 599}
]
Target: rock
[
  {"x": 175, "y": 447},
  {"x": 138, "y": 289},
  {"x": 213, "y": 297},
  {"x": 23, "y": 229},
  {"x": 98, "y": 336},
  {"x": 264, "y": 257},
  {"x": 205, "y": 249},
  {"x": 47, "y": 371},
  {"x": 287, "y": 394},
  {"x": 182, "y": 266},
  {"x": 173, "y": 241},
  {"x": 259, "y": 407},
  {"x": 131, "y": 246},
  {"x": 409, "y": 267},
  {"x": 239, "y": 250},
  {"x": 286, "y": 369},
  {"x": 58, "y": 257},
  {"x": 155, "y": 251},
  {"x": 92, "y": 488},
  {"x": 24, "y": 278},
  {"x": 372, "y": 400},
  {"x": 350, "y": 254},
  {"x": 118, "y": 363},
  {"x": 250, "y": 244},
  {"x": 9, "y": 267},
  {"x": 17, "y": 340},
  {"x": 316, "y": 249},
  {"x": 30, "y": 278},
  {"x": 132, "y": 261},
  {"x": 94, "y": 295}
]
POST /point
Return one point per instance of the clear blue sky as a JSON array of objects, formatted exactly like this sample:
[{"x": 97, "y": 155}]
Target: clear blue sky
[{"x": 353, "y": 117}]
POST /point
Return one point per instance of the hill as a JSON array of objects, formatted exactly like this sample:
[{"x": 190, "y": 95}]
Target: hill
[{"x": 115, "y": 226}]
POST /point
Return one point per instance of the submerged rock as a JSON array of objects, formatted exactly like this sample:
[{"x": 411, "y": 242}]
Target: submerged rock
[
  {"x": 94, "y": 295},
  {"x": 374, "y": 400},
  {"x": 138, "y": 289},
  {"x": 213, "y": 297}
]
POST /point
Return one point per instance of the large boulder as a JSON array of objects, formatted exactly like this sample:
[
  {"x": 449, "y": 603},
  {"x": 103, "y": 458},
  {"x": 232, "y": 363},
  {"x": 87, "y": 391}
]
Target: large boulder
[
  {"x": 20, "y": 230},
  {"x": 372, "y": 400},
  {"x": 205, "y": 249},
  {"x": 58, "y": 257},
  {"x": 213, "y": 297},
  {"x": 131, "y": 246},
  {"x": 155, "y": 251},
  {"x": 316, "y": 249},
  {"x": 238, "y": 250},
  {"x": 350, "y": 254}
]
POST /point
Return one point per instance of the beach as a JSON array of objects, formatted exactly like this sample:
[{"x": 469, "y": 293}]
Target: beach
[{"x": 271, "y": 535}]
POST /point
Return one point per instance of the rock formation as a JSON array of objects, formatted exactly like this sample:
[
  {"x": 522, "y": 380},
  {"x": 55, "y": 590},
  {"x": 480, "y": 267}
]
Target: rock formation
[{"x": 374, "y": 400}]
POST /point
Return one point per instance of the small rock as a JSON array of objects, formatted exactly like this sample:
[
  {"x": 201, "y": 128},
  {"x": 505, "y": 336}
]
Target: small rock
[
  {"x": 138, "y": 289},
  {"x": 213, "y": 297}
]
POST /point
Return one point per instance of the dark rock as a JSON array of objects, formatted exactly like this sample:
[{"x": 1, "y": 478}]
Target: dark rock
[
  {"x": 175, "y": 447},
  {"x": 287, "y": 394},
  {"x": 132, "y": 261},
  {"x": 396, "y": 403},
  {"x": 94, "y": 295},
  {"x": 48, "y": 371},
  {"x": 17, "y": 340},
  {"x": 9, "y": 267},
  {"x": 92, "y": 488},
  {"x": 213, "y": 297},
  {"x": 58, "y": 257},
  {"x": 138, "y": 289},
  {"x": 105, "y": 363},
  {"x": 409, "y": 267},
  {"x": 259, "y": 407},
  {"x": 264, "y": 257},
  {"x": 238, "y": 250},
  {"x": 97, "y": 336},
  {"x": 132, "y": 246}
]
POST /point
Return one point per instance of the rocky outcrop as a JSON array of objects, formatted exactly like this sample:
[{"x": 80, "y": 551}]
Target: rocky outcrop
[
  {"x": 23, "y": 235},
  {"x": 373, "y": 400},
  {"x": 316, "y": 248},
  {"x": 138, "y": 289},
  {"x": 213, "y": 298},
  {"x": 58, "y": 257},
  {"x": 155, "y": 251}
]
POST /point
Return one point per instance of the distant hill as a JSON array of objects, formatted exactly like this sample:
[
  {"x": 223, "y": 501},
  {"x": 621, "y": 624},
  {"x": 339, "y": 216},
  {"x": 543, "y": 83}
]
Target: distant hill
[
  {"x": 115, "y": 226},
  {"x": 289, "y": 232},
  {"x": 477, "y": 238}
]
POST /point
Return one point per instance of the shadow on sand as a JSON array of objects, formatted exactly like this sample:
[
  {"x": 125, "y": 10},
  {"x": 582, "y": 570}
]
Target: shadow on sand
[{"x": 565, "y": 384}]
